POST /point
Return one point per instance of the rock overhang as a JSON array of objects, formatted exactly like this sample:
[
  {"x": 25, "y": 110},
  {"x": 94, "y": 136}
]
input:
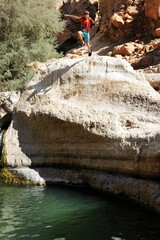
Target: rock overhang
[{"x": 94, "y": 113}]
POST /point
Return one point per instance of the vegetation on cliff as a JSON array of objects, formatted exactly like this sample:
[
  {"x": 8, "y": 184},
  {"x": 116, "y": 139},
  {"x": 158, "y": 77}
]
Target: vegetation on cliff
[{"x": 27, "y": 33}]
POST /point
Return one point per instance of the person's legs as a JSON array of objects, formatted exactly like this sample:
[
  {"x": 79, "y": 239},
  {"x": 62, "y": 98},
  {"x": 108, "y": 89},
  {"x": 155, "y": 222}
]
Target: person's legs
[
  {"x": 80, "y": 36},
  {"x": 87, "y": 40},
  {"x": 89, "y": 47}
]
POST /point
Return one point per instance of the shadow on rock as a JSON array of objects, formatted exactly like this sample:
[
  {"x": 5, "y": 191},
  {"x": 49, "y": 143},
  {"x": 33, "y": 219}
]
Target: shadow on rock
[{"x": 45, "y": 85}]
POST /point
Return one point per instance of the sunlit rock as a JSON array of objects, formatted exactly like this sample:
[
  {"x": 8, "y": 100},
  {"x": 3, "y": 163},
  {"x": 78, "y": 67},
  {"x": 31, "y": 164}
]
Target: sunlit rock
[{"x": 90, "y": 113}]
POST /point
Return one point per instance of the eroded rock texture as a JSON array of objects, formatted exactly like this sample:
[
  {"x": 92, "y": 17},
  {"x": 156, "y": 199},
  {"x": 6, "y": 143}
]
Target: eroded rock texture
[
  {"x": 7, "y": 102},
  {"x": 123, "y": 19},
  {"x": 89, "y": 113}
]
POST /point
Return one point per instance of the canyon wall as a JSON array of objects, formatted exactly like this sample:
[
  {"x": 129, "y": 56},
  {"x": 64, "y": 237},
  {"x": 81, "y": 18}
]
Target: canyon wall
[{"x": 122, "y": 19}]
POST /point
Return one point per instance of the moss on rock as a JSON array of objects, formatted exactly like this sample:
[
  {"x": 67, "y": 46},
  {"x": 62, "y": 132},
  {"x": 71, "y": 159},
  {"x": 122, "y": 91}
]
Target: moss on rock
[
  {"x": 6, "y": 176},
  {"x": 3, "y": 156}
]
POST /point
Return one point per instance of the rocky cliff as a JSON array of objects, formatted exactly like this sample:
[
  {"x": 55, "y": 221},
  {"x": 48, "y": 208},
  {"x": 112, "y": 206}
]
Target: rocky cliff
[
  {"x": 92, "y": 114},
  {"x": 128, "y": 18},
  {"x": 135, "y": 26},
  {"x": 129, "y": 29}
]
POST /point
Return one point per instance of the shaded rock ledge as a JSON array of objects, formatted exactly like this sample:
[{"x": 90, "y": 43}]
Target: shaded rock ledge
[
  {"x": 143, "y": 191},
  {"x": 93, "y": 114}
]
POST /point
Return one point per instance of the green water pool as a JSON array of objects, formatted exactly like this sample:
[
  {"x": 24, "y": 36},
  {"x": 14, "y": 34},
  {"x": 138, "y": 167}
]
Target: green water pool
[{"x": 49, "y": 213}]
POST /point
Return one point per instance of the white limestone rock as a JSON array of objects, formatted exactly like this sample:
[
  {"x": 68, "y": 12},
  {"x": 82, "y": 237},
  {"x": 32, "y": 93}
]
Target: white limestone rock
[
  {"x": 92, "y": 113},
  {"x": 29, "y": 175},
  {"x": 7, "y": 102}
]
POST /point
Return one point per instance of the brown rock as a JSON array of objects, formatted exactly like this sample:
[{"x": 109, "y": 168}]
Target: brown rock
[
  {"x": 138, "y": 46},
  {"x": 136, "y": 2},
  {"x": 127, "y": 17},
  {"x": 117, "y": 21},
  {"x": 155, "y": 59},
  {"x": 131, "y": 10},
  {"x": 141, "y": 42},
  {"x": 152, "y": 24},
  {"x": 146, "y": 61},
  {"x": 124, "y": 49},
  {"x": 64, "y": 36},
  {"x": 129, "y": 2},
  {"x": 157, "y": 32},
  {"x": 152, "y": 8},
  {"x": 138, "y": 35},
  {"x": 128, "y": 31},
  {"x": 127, "y": 49},
  {"x": 120, "y": 14},
  {"x": 122, "y": 6},
  {"x": 147, "y": 48},
  {"x": 128, "y": 21}
]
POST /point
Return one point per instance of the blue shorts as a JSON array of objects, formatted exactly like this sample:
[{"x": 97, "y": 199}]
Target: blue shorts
[{"x": 86, "y": 36}]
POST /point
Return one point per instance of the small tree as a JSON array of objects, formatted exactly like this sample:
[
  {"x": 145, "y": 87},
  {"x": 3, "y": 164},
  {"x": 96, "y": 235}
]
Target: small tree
[{"x": 27, "y": 33}]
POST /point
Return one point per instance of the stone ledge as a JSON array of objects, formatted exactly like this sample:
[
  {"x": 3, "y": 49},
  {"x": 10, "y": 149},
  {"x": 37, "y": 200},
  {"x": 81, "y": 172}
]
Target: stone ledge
[{"x": 145, "y": 192}]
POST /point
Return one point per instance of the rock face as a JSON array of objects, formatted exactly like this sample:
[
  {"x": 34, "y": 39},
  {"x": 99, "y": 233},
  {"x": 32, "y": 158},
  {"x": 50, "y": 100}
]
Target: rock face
[
  {"x": 152, "y": 9},
  {"x": 7, "y": 102},
  {"x": 135, "y": 21},
  {"x": 117, "y": 21},
  {"x": 91, "y": 113},
  {"x": 138, "y": 17}
]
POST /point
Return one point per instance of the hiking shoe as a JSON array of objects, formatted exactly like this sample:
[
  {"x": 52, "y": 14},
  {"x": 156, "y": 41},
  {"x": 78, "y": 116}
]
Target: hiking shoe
[
  {"x": 83, "y": 44},
  {"x": 90, "y": 53}
]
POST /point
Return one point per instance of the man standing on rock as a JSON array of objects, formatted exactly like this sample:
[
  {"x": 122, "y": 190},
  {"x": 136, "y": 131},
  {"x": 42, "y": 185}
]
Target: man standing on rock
[{"x": 84, "y": 33}]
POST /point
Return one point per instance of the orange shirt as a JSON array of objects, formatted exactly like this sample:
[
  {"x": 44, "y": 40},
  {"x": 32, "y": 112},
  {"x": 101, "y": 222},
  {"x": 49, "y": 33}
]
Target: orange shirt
[{"x": 86, "y": 23}]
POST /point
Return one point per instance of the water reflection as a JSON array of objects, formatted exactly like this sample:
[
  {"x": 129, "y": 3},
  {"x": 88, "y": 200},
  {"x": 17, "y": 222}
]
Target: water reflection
[
  {"x": 15, "y": 204},
  {"x": 66, "y": 214}
]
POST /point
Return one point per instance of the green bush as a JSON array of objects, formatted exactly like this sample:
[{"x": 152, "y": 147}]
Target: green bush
[{"x": 27, "y": 34}]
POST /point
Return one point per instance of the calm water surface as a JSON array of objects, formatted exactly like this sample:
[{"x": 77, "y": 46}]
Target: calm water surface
[{"x": 71, "y": 214}]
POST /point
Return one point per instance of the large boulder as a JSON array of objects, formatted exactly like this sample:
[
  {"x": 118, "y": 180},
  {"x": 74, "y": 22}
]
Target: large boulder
[
  {"x": 127, "y": 49},
  {"x": 90, "y": 113}
]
